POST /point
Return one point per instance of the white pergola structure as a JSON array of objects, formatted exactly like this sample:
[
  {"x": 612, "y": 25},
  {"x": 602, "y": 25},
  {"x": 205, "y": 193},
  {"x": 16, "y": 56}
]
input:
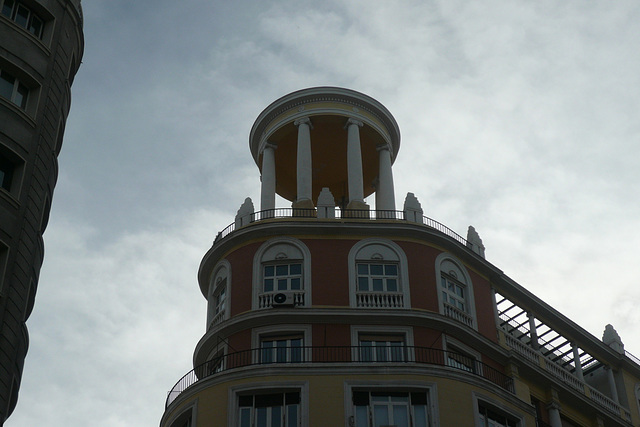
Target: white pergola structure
[{"x": 326, "y": 137}]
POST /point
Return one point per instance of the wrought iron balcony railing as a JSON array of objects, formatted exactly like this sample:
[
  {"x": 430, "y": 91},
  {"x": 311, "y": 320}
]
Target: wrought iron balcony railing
[
  {"x": 362, "y": 355},
  {"x": 341, "y": 214}
]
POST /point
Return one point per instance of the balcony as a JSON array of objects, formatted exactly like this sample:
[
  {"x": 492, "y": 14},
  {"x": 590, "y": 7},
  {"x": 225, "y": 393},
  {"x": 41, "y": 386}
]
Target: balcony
[
  {"x": 380, "y": 299},
  {"x": 334, "y": 355},
  {"x": 541, "y": 345}
]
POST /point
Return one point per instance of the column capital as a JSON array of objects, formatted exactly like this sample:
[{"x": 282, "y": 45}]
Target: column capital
[
  {"x": 383, "y": 147},
  {"x": 353, "y": 121},
  {"x": 303, "y": 121},
  {"x": 553, "y": 405},
  {"x": 269, "y": 145}
]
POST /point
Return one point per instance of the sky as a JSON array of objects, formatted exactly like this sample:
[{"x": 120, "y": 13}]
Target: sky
[{"x": 517, "y": 117}]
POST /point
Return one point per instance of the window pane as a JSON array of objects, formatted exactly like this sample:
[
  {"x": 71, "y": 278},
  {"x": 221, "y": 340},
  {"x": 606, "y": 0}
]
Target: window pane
[
  {"x": 35, "y": 27},
  {"x": 261, "y": 417},
  {"x": 363, "y": 268},
  {"x": 420, "y": 415},
  {"x": 292, "y": 415},
  {"x": 391, "y": 270},
  {"x": 22, "y": 16},
  {"x": 282, "y": 284},
  {"x": 268, "y": 285},
  {"x": 245, "y": 417},
  {"x": 362, "y": 418},
  {"x": 276, "y": 416},
  {"x": 268, "y": 271},
  {"x": 282, "y": 270},
  {"x": 21, "y": 95},
  {"x": 380, "y": 415},
  {"x": 376, "y": 269},
  {"x": 7, "y": 7},
  {"x": 400, "y": 415},
  {"x": 295, "y": 284},
  {"x": 296, "y": 269},
  {"x": 363, "y": 283},
  {"x": 377, "y": 285},
  {"x": 392, "y": 285},
  {"x": 6, "y": 84}
]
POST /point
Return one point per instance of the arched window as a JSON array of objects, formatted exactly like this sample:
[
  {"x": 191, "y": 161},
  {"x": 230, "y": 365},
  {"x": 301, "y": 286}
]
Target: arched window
[
  {"x": 455, "y": 290},
  {"x": 378, "y": 276},
  {"x": 218, "y": 297},
  {"x": 282, "y": 274}
]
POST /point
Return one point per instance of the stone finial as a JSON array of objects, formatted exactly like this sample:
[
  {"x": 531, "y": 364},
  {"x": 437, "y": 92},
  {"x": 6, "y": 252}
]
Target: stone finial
[
  {"x": 412, "y": 210},
  {"x": 474, "y": 242},
  {"x": 245, "y": 213},
  {"x": 326, "y": 204},
  {"x": 611, "y": 338}
]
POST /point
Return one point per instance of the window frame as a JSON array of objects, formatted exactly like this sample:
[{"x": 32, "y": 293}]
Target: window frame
[
  {"x": 220, "y": 277},
  {"x": 378, "y": 251},
  {"x": 465, "y": 281},
  {"x": 458, "y": 348},
  {"x": 34, "y": 14},
  {"x": 281, "y": 250},
  {"x": 391, "y": 386},
  {"x": 496, "y": 407},
  {"x": 266, "y": 388},
  {"x": 259, "y": 335},
  {"x": 188, "y": 413},
  {"x": 382, "y": 331}
]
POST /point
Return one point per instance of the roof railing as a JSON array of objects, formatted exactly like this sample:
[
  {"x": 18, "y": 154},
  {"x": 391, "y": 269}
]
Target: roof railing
[{"x": 340, "y": 214}]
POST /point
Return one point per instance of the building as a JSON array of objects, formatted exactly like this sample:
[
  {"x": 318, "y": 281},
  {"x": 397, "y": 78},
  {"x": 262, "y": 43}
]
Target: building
[
  {"x": 41, "y": 46},
  {"x": 336, "y": 313}
]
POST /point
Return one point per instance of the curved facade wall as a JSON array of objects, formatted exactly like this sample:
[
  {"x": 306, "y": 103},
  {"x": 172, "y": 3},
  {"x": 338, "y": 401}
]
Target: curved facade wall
[
  {"x": 330, "y": 313},
  {"x": 41, "y": 47}
]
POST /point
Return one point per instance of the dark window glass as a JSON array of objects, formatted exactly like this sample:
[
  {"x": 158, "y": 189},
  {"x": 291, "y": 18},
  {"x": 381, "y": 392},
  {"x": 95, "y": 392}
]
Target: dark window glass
[
  {"x": 22, "y": 16},
  {"x": 6, "y": 173},
  {"x": 35, "y": 26},
  {"x": 7, "y": 8},
  {"x": 6, "y": 84}
]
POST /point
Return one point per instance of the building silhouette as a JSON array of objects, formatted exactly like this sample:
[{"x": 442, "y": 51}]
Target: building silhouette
[
  {"x": 336, "y": 313},
  {"x": 41, "y": 46}
]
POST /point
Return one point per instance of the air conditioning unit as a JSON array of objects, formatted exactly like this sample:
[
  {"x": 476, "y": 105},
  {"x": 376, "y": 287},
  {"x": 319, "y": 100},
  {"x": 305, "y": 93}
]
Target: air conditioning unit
[{"x": 283, "y": 299}]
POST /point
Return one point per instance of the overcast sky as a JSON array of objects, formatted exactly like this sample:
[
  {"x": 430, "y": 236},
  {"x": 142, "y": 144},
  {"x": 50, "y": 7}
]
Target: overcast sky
[{"x": 517, "y": 117}]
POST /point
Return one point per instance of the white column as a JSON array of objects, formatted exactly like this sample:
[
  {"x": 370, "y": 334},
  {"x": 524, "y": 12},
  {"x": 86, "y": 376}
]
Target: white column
[
  {"x": 268, "y": 191},
  {"x": 533, "y": 333},
  {"x": 554, "y": 415},
  {"x": 576, "y": 362},
  {"x": 354, "y": 161},
  {"x": 385, "y": 196},
  {"x": 303, "y": 159},
  {"x": 612, "y": 384}
]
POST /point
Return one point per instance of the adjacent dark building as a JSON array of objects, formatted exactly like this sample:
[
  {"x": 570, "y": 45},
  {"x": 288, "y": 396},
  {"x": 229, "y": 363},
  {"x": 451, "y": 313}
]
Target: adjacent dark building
[{"x": 41, "y": 47}]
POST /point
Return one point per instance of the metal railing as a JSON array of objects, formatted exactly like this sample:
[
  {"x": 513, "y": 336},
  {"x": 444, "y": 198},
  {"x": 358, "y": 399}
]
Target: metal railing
[
  {"x": 365, "y": 214},
  {"x": 362, "y": 355}
]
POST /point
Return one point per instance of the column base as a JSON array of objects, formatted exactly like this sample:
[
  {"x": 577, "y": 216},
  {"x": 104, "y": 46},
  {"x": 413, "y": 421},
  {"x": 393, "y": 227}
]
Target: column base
[
  {"x": 304, "y": 207},
  {"x": 356, "y": 209}
]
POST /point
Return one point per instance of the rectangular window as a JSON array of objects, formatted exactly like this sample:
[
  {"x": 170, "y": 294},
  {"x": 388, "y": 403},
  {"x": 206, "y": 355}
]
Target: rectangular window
[
  {"x": 7, "y": 169},
  {"x": 221, "y": 297},
  {"x": 453, "y": 293},
  {"x": 282, "y": 277},
  {"x": 23, "y": 16},
  {"x": 377, "y": 277},
  {"x": 269, "y": 410},
  {"x": 282, "y": 349},
  {"x": 459, "y": 360},
  {"x": 13, "y": 90},
  {"x": 491, "y": 417},
  {"x": 382, "y": 348},
  {"x": 398, "y": 409}
]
